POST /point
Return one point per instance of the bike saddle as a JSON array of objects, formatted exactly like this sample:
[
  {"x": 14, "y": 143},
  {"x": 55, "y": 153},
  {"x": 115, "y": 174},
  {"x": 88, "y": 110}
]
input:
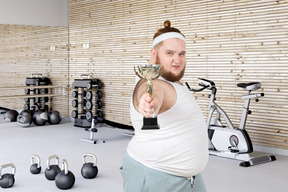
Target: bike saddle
[{"x": 250, "y": 86}]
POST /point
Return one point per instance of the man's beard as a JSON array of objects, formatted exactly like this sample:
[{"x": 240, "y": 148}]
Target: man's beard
[
  {"x": 171, "y": 77},
  {"x": 168, "y": 75}
]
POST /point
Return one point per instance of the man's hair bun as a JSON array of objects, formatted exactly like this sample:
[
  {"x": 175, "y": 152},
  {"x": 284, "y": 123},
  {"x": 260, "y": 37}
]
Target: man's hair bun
[{"x": 167, "y": 24}]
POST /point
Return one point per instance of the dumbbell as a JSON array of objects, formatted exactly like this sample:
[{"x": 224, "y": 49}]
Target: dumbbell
[
  {"x": 89, "y": 170},
  {"x": 52, "y": 170},
  {"x": 35, "y": 167},
  {"x": 7, "y": 180},
  {"x": 89, "y": 104},
  {"x": 75, "y": 102},
  {"x": 96, "y": 83},
  {"x": 89, "y": 95},
  {"x": 65, "y": 179},
  {"x": 76, "y": 93}
]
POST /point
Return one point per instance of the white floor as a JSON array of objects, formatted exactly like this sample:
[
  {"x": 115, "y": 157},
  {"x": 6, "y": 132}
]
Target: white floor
[{"x": 18, "y": 144}]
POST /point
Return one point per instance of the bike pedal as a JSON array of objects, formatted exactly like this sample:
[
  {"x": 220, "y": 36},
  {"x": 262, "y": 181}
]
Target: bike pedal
[{"x": 233, "y": 150}]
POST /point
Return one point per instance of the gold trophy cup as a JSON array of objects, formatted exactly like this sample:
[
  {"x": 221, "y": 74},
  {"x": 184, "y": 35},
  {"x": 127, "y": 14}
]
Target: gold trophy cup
[{"x": 149, "y": 72}]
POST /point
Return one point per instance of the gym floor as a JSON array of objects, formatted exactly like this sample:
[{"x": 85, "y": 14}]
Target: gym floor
[{"x": 18, "y": 144}]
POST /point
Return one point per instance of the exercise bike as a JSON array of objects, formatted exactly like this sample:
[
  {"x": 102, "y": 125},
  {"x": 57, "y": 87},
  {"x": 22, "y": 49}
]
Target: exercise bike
[{"x": 231, "y": 142}]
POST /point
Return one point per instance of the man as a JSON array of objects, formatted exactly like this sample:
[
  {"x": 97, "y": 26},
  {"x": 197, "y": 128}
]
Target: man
[{"x": 171, "y": 158}]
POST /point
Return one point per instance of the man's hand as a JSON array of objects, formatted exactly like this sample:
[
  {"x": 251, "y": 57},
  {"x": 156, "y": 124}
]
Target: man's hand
[{"x": 149, "y": 106}]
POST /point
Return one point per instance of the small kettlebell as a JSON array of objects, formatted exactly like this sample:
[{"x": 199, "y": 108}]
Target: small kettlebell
[
  {"x": 65, "y": 179},
  {"x": 7, "y": 180},
  {"x": 35, "y": 167},
  {"x": 52, "y": 170},
  {"x": 89, "y": 170}
]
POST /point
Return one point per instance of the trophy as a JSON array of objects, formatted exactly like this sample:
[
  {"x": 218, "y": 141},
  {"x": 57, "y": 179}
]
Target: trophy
[{"x": 149, "y": 72}]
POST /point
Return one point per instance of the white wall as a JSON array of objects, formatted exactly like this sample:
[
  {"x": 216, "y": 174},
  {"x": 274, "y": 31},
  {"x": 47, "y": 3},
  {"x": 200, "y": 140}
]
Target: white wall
[{"x": 35, "y": 12}]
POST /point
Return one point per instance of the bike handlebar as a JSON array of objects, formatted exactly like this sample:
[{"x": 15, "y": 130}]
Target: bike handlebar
[{"x": 196, "y": 90}]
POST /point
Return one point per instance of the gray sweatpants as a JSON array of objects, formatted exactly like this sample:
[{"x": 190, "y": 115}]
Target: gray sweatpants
[{"x": 139, "y": 178}]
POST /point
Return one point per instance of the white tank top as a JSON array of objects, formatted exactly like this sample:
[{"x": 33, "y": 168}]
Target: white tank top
[{"x": 180, "y": 146}]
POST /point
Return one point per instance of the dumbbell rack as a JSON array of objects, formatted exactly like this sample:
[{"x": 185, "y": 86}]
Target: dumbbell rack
[
  {"x": 39, "y": 82},
  {"x": 85, "y": 93}
]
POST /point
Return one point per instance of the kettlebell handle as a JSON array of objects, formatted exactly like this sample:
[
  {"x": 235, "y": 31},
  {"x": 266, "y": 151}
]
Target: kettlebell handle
[
  {"x": 64, "y": 166},
  {"x": 6, "y": 166},
  {"x": 90, "y": 155},
  {"x": 52, "y": 157},
  {"x": 38, "y": 159}
]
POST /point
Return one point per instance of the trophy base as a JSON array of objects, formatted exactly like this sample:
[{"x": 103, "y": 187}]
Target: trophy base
[{"x": 150, "y": 123}]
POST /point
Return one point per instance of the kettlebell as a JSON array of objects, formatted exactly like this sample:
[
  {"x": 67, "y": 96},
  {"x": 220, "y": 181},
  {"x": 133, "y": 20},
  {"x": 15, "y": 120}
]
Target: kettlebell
[
  {"x": 65, "y": 179},
  {"x": 52, "y": 170},
  {"x": 89, "y": 170},
  {"x": 7, "y": 180},
  {"x": 35, "y": 167}
]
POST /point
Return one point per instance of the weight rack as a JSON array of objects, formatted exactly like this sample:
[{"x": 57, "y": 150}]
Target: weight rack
[
  {"x": 87, "y": 99},
  {"x": 36, "y": 79}
]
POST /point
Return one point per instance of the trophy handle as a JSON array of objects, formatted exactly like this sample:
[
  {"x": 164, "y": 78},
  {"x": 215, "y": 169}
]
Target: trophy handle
[
  {"x": 159, "y": 73},
  {"x": 137, "y": 73}
]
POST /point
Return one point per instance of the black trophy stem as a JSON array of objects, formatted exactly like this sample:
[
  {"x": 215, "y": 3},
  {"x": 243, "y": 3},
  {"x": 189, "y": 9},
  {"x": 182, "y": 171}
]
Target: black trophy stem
[{"x": 150, "y": 123}]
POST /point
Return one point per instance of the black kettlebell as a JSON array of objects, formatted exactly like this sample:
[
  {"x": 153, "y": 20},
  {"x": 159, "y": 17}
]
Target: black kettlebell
[
  {"x": 7, "y": 180},
  {"x": 52, "y": 170},
  {"x": 35, "y": 167},
  {"x": 89, "y": 170},
  {"x": 65, "y": 179}
]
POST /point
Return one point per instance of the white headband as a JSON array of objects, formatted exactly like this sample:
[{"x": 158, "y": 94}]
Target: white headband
[{"x": 168, "y": 35}]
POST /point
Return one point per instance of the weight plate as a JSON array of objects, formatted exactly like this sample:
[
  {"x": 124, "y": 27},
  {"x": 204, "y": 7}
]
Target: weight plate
[
  {"x": 37, "y": 100},
  {"x": 74, "y": 114},
  {"x": 89, "y": 115},
  {"x": 99, "y": 104},
  {"x": 37, "y": 91},
  {"x": 84, "y": 93},
  {"x": 27, "y": 100},
  {"x": 89, "y": 86},
  {"x": 27, "y": 106},
  {"x": 99, "y": 84},
  {"x": 89, "y": 95},
  {"x": 75, "y": 103},
  {"x": 99, "y": 94},
  {"x": 46, "y": 107},
  {"x": 89, "y": 105},
  {"x": 27, "y": 91},
  {"x": 36, "y": 107},
  {"x": 75, "y": 94},
  {"x": 46, "y": 99},
  {"x": 46, "y": 90},
  {"x": 99, "y": 114}
]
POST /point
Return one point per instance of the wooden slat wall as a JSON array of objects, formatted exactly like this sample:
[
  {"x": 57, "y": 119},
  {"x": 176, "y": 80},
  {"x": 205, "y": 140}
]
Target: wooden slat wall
[
  {"x": 227, "y": 42},
  {"x": 25, "y": 50}
]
